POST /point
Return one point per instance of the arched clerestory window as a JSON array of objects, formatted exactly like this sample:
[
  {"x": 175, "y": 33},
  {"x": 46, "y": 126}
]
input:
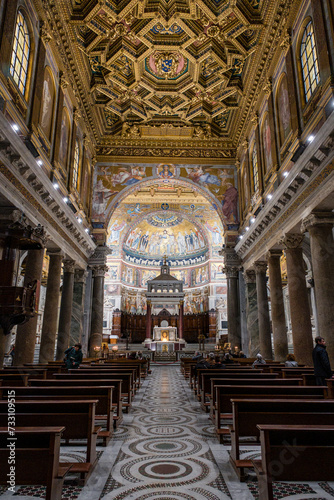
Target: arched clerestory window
[
  {"x": 309, "y": 62},
  {"x": 20, "y": 53}
]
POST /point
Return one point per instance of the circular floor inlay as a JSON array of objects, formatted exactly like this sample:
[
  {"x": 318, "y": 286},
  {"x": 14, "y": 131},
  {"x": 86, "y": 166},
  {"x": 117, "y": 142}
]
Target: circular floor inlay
[
  {"x": 165, "y": 446},
  {"x": 165, "y": 469}
]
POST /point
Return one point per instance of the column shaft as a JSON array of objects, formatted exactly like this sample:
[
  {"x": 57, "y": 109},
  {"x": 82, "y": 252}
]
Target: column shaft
[
  {"x": 277, "y": 306},
  {"x": 322, "y": 252},
  {"x": 298, "y": 298},
  {"x": 65, "y": 310},
  {"x": 50, "y": 318},
  {"x": 252, "y": 313},
  {"x": 263, "y": 310},
  {"x": 78, "y": 306},
  {"x": 95, "y": 339},
  {"x": 233, "y": 319},
  {"x": 148, "y": 320},
  {"x": 181, "y": 321},
  {"x": 26, "y": 333}
]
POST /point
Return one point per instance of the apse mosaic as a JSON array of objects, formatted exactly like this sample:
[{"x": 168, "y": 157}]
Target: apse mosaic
[{"x": 162, "y": 234}]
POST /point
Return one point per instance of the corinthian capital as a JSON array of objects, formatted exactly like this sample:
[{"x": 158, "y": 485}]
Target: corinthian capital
[
  {"x": 260, "y": 267},
  {"x": 68, "y": 266},
  {"x": 317, "y": 219},
  {"x": 99, "y": 271},
  {"x": 249, "y": 276},
  {"x": 292, "y": 240},
  {"x": 231, "y": 271}
]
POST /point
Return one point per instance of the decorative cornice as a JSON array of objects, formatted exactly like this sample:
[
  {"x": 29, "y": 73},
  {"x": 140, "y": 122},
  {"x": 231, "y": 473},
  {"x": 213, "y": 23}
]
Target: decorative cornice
[
  {"x": 274, "y": 253},
  {"x": 20, "y": 168},
  {"x": 311, "y": 169}
]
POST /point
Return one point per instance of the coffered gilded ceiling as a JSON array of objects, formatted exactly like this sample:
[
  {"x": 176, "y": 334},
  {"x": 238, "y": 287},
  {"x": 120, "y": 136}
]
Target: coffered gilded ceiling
[{"x": 165, "y": 70}]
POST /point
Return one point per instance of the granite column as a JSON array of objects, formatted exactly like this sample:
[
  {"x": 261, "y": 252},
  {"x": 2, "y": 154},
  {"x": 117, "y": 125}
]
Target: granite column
[
  {"x": 50, "y": 318},
  {"x": 181, "y": 320},
  {"x": 65, "y": 309},
  {"x": 277, "y": 305},
  {"x": 298, "y": 298},
  {"x": 95, "y": 339},
  {"x": 26, "y": 333},
  {"x": 263, "y": 309},
  {"x": 252, "y": 313},
  {"x": 148, "y": 319},
  {"x": 320, "y": 228},
  {"x": 233, "y": 314},
  {"x": 79, "y": 288}
]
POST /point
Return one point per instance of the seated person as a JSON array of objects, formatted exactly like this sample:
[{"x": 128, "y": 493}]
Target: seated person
[
  {"x": 219, "y": 362},
  {"x": 242, "y": 354},
  {"x": 73, "y": 356},
  {"x": 228, "y": 359},
  {"x": 197, "y": 356},
  {"x": 259, "y": 360},
  {"x": 202, "y": 363},
  {"x": 291, "y": 361}
]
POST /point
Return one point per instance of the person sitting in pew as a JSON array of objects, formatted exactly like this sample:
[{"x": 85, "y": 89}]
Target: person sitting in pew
[
  {"x": 228, "y": 359},
  {"x": 218, "y": 362},
  {"x": 242, "y": 354},
  {"x": 291, "y": 361},
  {"x": 73, "y": 356},
  {"x": 259, "y": 360}
]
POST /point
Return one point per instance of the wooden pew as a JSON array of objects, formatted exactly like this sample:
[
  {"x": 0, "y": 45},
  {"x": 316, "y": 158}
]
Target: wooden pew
[
  {"x": 294, "y": 453},
  {"x": 296, "y": 372},
  {"x": 135, "y": 381},
  {"x": 126, "y": 377},
  {"x": 224, "y": 395},
  {"x": 248, "y": 413},
  {"x": 35, "y": 372},
  {"x": 203, "y": 374},
  {"x": 106, "y": 368},
  {"x": 116, "y": 384},
  {"x": 78, "y": 417},
  {"x": 143, "y": 363},
  {"x": 14, "y": 379},
  {"x": 103, "y": 410},
  {"x": 229, "y": 368},
  {"x": 40, "y": 448},
  {"x": 266, "y": 381}
]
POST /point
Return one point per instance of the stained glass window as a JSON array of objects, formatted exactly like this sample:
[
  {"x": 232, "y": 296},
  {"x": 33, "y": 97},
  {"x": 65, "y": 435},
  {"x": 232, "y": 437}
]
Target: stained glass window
[
  {"x": 76, "y": 165},
  {"x": 255, "y": 170},
  {"x": 20, "y": 53},
  {"x": 309, "y": 62}
]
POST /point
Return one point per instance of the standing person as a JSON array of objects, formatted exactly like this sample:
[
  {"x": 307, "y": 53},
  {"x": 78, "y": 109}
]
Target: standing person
[
  {"x": 322, "y": 367},
  {"x": 73, "y": 356}
]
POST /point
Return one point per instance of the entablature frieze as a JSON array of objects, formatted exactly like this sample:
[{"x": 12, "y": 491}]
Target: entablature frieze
[{"x": 300, "y": 191}]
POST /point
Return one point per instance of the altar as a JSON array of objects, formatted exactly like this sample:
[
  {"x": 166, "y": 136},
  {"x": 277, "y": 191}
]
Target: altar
[{"x": 164, "y": 339}]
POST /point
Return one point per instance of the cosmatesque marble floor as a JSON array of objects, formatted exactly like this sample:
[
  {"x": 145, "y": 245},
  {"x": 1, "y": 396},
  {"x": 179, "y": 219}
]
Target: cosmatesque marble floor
[{"x": 166, "y": 450}]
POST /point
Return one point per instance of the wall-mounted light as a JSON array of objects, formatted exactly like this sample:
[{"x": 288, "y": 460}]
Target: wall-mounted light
[
  {"x": 65, "y": 199},
  {"x": 252, "y": 220},
  {"x": 247, "y": 228},
  {"x": 86, "y": 230},
  {"x": 15, "y": 127},
  {"x": 269, "y": 196},
  {"x": 39, "y": 162},
  {"x": 285, "y": 174},
  {"x": 310, "y": 138},
  {"x": 79, "y": 220},
  {"x": 56, "y": 185}
]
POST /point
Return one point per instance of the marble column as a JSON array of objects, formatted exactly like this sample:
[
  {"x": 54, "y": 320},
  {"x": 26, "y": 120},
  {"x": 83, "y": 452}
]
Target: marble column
[
  {"x": 148, "y": 319},
  {"x": 50, "y": 318},
  {"x": 298, "y": 298},
  {"x": 79, "y": 287},
  {"x": 181, "y": 320},
  {"x": 263, "y": 309},
  {"x": 252, "y": 313},
  {"x": 65, "y": 309},
  {"x": 95, "y": 339},
  {"x": 277, "y": 305},
  {"x": 26, "y": 333},
  {"x": 320, "y": 228},
  {"x": 233, "y": 315}
]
